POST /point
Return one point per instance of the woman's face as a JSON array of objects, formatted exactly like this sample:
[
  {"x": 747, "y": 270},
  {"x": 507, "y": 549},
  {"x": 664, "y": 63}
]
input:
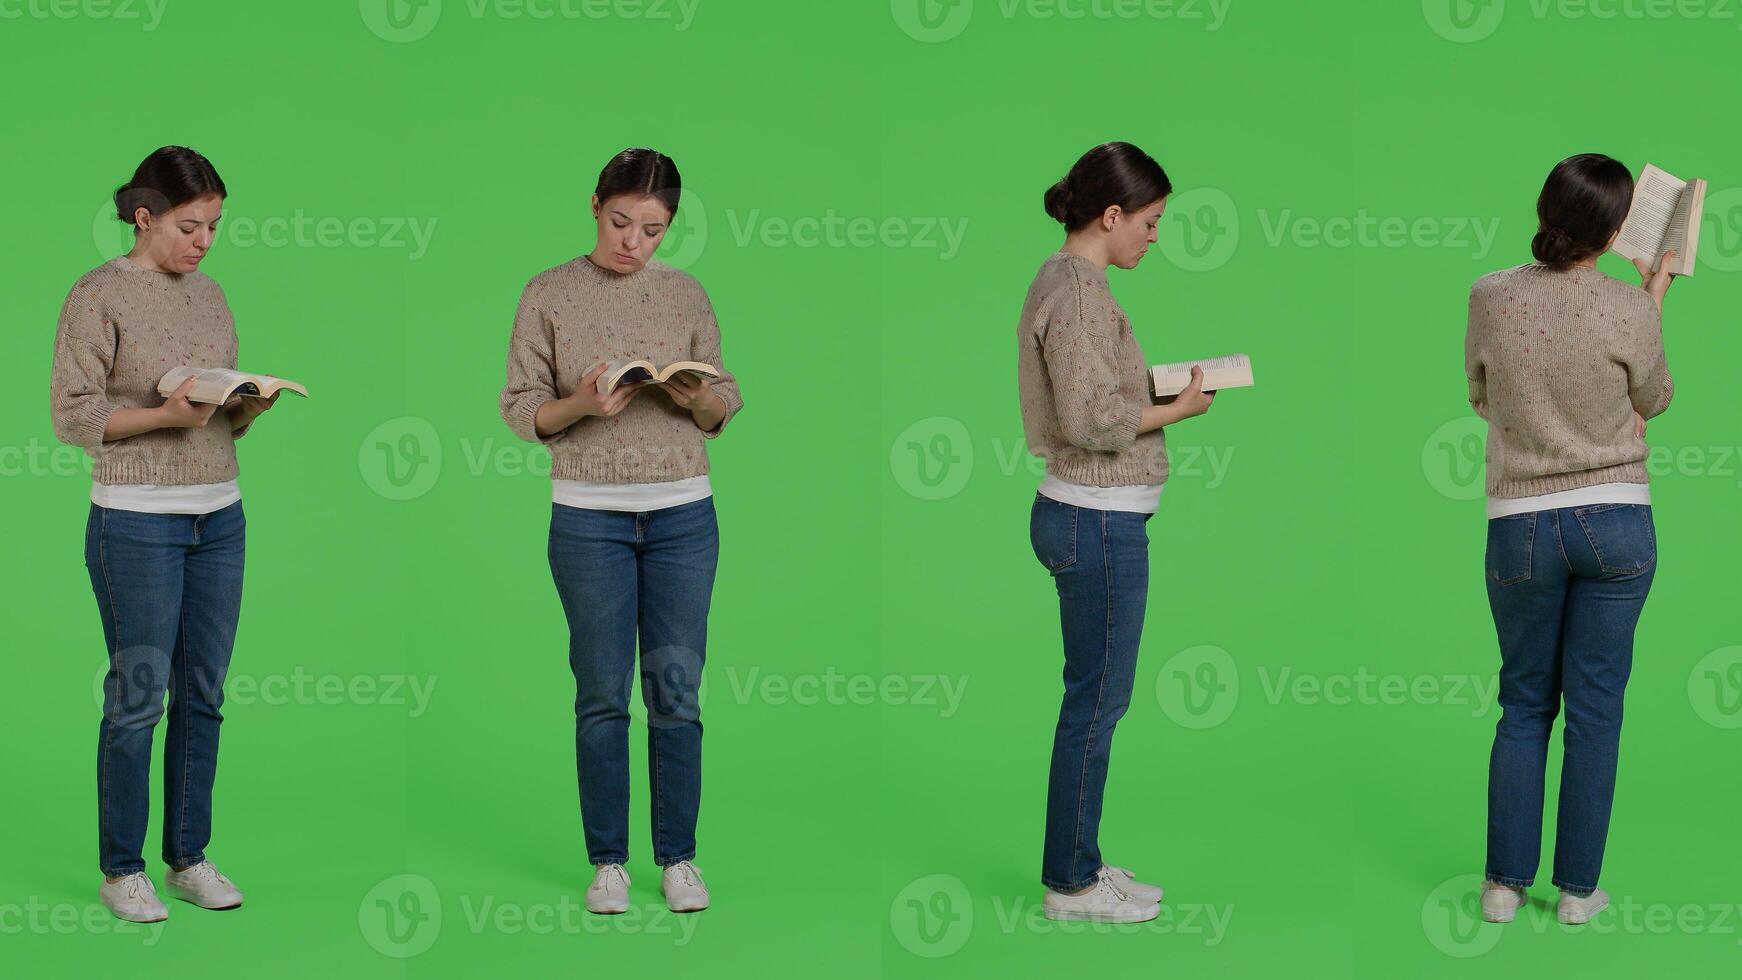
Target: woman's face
[
  {"x": 1132, "y": 233},
  {"x": 630, "y": 229},
  {"x": 176, "y": 240}
]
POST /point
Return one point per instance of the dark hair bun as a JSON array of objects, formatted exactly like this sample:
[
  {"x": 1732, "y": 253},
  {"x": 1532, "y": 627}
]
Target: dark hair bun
[
  {"x": 1553, "y": 246},
  {"x": 1058, "y": 201}
]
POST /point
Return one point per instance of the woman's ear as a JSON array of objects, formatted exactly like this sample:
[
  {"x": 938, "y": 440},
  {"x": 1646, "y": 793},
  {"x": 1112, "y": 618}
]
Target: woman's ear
[
  {"x": 142, "y": 219},
  {"x": 596, "y": 207},
  {"x": 1612, "y": 238},
  {"x": 1111, "y": 216}
]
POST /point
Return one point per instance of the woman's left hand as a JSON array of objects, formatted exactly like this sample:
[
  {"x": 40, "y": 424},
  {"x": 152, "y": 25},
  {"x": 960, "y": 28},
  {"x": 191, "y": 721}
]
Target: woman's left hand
[
  {"x": 688, "y": 391},
  {"x": 245, "y": 410},
  {"x": 1639, "y": 425}
]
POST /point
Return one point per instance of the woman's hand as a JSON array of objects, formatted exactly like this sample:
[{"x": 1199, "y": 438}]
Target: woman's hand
[
  {"x": 1656, "y": 284},
  {"x": 558, "y": 414},
  {"x": 696, "y": 395},
  {"x": 1639, "y": 425},
  {"x": 243, "y": 411},
  {"x": 179, "y": 413},
  {"x": 1191, "y": 402}
]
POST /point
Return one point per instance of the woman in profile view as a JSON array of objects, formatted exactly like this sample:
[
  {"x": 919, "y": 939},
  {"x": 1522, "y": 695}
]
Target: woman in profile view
[
  {"x": 1086, "y": 408},
  {"x": 1566, "y": 364}
]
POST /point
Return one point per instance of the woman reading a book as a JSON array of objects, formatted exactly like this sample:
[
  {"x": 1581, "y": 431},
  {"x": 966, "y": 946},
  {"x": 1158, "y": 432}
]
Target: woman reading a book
[
  {"x": 164, "y": 540},
  {"x": 1566, "y": 364},
  {"x": 1087, "y": 408},
  {"x": 633, "y": 539}
]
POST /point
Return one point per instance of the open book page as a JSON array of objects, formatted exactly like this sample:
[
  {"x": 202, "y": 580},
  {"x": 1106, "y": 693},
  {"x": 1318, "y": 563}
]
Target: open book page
[
  {"x": 619, "y": 374},
  {"x": 214, "y": 386},
  {"x": 1231, "y": 371},
  {"x": 1660, "y": 200}
]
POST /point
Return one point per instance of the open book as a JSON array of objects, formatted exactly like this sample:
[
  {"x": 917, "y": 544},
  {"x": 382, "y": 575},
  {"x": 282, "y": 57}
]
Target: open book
[
  {"x": 623, "y": 374},
  {"x": 1665, "y": 215},
  {"x": 214, "y": 386},
  {"x": 1232, "y": 371}
]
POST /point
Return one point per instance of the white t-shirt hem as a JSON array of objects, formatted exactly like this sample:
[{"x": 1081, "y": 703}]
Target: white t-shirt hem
[
  {"x": 636, "y": 497},
  {"x": 1138, "y": 498},
  {"x": 1601, "y": 493},
  {"x": 155, "y": 498}
]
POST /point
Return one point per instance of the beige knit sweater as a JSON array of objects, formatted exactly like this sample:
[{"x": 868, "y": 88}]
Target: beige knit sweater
[
  {"x": 1558, "y": 362},
  {"x": 575, "y": 316},
  {"x": 1083, "y": 380},
  {"x": 122, "y": 328}
]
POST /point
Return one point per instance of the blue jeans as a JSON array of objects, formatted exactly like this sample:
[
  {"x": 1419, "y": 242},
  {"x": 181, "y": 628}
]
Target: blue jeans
[
  {"x": 620, "y": 575},
  {"x": 1099, "y": 560},
  {"x": 1566, "y": 587},
  {"x": 169, "y": 589}
]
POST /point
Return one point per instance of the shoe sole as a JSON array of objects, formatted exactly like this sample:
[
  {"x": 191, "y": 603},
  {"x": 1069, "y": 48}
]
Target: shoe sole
[
  {"x": 608, "y": 911},
  {"x": 1499, "y": 916},
  {"x": 134, "y": 918},
  {"x": 188, "y": 897},
  {"x": 1066, "y": 915}
]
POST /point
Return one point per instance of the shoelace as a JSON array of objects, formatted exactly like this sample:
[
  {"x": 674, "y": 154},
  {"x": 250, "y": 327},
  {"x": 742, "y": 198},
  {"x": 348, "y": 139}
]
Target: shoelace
[
  {"x": 207, "y": 873},
  {"x": 1109, "y": 879},
  {"x": 609, "y": 871},
  {"x": 689, "y": 872},
  {"x": 139, "y": 886}
]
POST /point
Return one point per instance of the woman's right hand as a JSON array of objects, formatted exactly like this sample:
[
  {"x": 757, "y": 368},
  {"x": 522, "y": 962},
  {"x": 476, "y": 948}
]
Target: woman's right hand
[
  {"x": 586, "y": 400},
  {"x": 1655, "y": 283},
  {"x": 179, "y": 413}
]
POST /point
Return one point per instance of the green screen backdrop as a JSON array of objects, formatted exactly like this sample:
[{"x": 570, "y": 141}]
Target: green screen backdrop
[{"x": 1304, "y": 764}]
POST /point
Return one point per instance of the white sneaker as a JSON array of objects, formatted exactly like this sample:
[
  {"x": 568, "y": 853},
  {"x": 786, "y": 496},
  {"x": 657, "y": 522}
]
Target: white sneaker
[
  {"x": 1577, "y": 910},
  {"x": 609, "y": 892},
  {"x": 1136, "y": 889},
  {"x": 203, "y": 886},
  {"x": 684, "y": 891},
  {"x": 1108, "y": 901},
  {"x": 1500, "y": 903},
  {"x": 133, "y": 898}
]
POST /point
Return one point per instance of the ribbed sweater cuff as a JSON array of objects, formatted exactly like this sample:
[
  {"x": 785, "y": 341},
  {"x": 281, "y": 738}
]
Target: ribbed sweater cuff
[
  {"x": 1622, "y": 473},
  {"x": 523, "y": 419},
  {"x": 734, "y": 402},
  {"x": 91, "y": 427}
]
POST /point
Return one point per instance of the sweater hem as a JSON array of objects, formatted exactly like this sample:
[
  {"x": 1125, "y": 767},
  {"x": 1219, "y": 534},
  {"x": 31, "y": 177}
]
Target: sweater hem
[
  {"x": 119, "y": 472},
  {"x": 1620, "y": 473}
]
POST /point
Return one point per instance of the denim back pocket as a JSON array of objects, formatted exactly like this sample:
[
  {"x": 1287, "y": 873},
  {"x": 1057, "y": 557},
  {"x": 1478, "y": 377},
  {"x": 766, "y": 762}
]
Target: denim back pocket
[
  {"x": 1621, "y": 535},
  {"x": 1052, "y": 530},
  {"x": 1510, "y": 542}
]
